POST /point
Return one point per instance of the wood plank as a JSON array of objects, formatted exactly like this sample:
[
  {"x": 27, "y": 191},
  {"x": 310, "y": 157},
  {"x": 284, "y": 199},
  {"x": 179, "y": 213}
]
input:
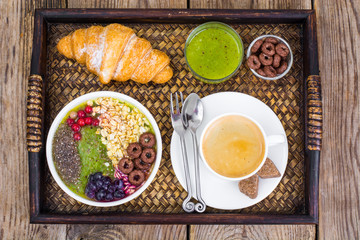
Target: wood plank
[
  {"x": 251, "y": 4},
  {"x": 339, "y": 41},
  {"x": 252, "y": 231},
  {"x": 17, "y": 23},
  {"x": 49, "y": 3},
  {"x": 208, "y": 232},
  {"x": 126, "y": 232},
  {"x": 127, "y": 4}
]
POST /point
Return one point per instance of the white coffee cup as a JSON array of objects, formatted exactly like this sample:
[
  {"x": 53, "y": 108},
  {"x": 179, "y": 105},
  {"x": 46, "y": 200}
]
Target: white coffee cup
[{"x": 268, "y": 141}]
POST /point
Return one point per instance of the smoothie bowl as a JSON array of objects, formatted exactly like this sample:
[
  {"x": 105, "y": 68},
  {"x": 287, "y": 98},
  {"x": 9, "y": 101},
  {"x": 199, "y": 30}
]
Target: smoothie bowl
[{"x": 104, "y": 149}]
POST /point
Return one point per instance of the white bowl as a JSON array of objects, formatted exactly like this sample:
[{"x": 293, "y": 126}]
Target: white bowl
[
  {"x": 83, "y": 99},
  {"x": 289, "y": 57}
]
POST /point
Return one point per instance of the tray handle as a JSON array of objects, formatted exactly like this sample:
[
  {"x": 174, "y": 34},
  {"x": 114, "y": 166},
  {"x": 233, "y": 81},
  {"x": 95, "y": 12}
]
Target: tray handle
[
  {"x": 34, "y": 113},
  {"x": 314, "y": 112}
]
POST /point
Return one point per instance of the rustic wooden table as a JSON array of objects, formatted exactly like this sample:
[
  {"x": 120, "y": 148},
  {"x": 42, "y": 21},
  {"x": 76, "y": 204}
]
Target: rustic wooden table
[{"x": 338, "y": 24}]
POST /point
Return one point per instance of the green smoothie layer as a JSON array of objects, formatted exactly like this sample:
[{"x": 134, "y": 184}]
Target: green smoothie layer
[
  {"x": 213, "y": 53},
  {"x": 93, "y": 155}
]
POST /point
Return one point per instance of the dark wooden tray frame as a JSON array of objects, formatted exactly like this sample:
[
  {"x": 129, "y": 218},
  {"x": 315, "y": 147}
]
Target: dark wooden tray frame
[{"x": 312, "y": 93}]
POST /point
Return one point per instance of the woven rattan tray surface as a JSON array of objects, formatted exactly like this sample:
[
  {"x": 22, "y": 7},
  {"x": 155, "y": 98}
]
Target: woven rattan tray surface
[{"x": 66, "y": 80}]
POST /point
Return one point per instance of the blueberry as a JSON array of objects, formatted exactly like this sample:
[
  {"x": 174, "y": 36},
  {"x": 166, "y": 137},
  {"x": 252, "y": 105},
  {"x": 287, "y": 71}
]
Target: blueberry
[
  {"x": 91, "y": 195},
  {"x": 92, "y": 186},
  {"x": 97, "y": 176},
  {"x": 105, "y": 186},
  {"x": 121, "y": 185},
  {"x": 107, "y": 180},
  {"x": 109, "y": 197},
  {"x": 118, "y": 184},
  {"x": 111, "y": 188},
  {"x": 119, "y": 194},
  {"x": 99, "y": 183},
  {"x": 87, "y": 190},
  {"x": 100, "y": 195},
  {"x": 91, "y": 178}
]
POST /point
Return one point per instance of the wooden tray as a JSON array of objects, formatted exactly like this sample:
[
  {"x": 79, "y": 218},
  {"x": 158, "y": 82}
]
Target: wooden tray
[{"x": 296, "y": 99}]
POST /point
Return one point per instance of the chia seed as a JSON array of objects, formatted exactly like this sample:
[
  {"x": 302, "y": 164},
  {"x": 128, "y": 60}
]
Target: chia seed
[{"x": 66, "y": 156}]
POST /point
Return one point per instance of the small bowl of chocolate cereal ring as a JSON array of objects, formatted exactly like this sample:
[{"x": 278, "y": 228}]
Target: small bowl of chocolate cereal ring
[{"x": 269, "y": 57}]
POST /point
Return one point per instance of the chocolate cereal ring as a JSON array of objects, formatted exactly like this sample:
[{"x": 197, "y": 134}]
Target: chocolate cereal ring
[
  {"x": 276, "y": 61},
  {"x": 139, "y": 164},
  {"x": 126, "y": 165},
  {"x": 268, "y": 48},
  {"x": 261, "y": 72},
  {"x": 148, "y": 155},
  {"x": 253, "y": 62},
  {"x": 147, "y": 140},
  {"x": 265, "y": 59},
  {"x": 282, "y": 67},
  {"x": 272, "y": 40},
  {"x": 136, "y": 177},
  {"x": 134, "y": 150},
  {"x": 270, "y": 71},
  {"x": 282, "y": 50},
  {"x": 257, "y": 46}
]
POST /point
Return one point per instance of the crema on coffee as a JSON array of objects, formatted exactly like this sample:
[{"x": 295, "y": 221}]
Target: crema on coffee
[{"x": 233, "y": 146}]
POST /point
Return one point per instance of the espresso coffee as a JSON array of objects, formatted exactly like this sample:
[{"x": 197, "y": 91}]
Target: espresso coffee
[{"x": 233, "y": 146}]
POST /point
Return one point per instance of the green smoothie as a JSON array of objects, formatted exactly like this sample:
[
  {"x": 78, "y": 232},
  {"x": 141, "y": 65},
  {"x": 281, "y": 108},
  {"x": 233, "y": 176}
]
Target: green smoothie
[
  {"x": 214, "y": 53},
  {"x": 93, "y": 155}
]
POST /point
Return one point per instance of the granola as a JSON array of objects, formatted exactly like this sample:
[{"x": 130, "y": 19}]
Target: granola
[{"x": 120, "y": 125}]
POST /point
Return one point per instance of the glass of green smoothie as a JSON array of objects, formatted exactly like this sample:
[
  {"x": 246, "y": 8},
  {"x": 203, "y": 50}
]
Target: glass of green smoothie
[{"x": 214, "y": 52}]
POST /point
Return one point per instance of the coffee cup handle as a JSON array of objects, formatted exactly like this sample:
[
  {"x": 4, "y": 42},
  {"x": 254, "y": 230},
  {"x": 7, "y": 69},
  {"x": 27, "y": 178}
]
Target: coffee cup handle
[{"x": 275, "y": 140}]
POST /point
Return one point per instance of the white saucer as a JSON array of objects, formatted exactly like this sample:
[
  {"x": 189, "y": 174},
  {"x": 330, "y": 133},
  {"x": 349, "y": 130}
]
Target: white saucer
[{"x": 217, "y": 192}]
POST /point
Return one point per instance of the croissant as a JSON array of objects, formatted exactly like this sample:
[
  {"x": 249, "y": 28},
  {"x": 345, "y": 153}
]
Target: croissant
[{"x": 115, "y": 52}]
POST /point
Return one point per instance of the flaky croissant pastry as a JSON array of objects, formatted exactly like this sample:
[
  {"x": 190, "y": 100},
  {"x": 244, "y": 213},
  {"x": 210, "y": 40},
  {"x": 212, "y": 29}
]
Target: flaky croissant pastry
[{"x": 115, "y": 52}]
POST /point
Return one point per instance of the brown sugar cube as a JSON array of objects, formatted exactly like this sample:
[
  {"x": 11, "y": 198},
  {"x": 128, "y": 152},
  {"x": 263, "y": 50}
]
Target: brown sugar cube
[
  {"x": 250, "y": 186},
  {"x": 268, "y": 170}
]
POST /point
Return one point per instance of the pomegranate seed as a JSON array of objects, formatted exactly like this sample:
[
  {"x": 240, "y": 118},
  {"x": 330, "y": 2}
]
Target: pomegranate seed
[
  {"x": 70, "y": 121},
  {"x": 95, "y": 122},
  {"x": 81, "y": 114},
  {"x": 77, "y": 136},
  {"x": 75, "y": 127},
  {"x": 88, "y": 120},
  {"x": 81, "y": 122},
  {"x": 88, "y": 109}
]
